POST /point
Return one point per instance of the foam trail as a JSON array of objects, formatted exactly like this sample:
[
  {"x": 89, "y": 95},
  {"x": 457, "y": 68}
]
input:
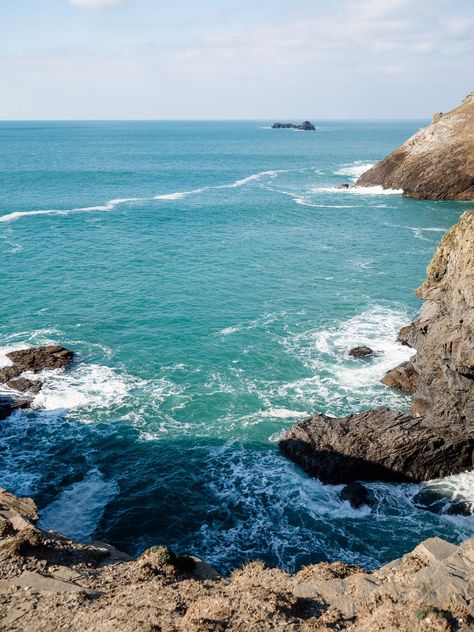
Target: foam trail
[
  {"x": 111, "y": 204},
  {"x": 355, "y": 169},
  {"x": 251, "y": 178},
  {"x": 377, "y": 190},
  {"x": 79, "y": 509},
  {"x": 179, "y": 195},
  {"x": 108, "y": 206}
]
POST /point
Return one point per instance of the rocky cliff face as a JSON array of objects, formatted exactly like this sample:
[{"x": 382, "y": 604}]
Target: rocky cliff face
[
  {"x": 50, "y": 583},
  {"x": 436, "y": 437},
  {"x": 436, "y": 163}
]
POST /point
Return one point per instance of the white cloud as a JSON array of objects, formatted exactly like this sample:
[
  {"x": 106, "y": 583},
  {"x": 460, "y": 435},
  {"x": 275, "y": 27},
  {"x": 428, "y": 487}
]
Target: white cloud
[{"x": 98, "y": 4}]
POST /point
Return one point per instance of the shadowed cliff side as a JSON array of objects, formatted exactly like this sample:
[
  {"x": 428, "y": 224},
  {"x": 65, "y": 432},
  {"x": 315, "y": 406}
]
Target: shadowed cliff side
[
  {"x": 436, "y": 437},
  {"x": 436, "y": 163}
]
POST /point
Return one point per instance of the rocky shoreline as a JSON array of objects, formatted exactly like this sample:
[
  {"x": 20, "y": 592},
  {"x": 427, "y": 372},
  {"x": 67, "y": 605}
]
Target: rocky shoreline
[
  {"x": 50, "y": 583},
  {"x": 436, "y": 438},
  {"x": 436, "y": 163}
]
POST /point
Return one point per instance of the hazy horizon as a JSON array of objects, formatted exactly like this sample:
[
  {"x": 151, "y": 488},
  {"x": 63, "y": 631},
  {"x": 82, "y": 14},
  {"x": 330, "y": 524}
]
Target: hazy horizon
[{"x": 260, "y": 60}]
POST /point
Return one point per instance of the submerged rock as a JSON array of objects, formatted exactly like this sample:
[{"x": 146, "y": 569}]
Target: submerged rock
[
  {"x": 357, "y": 495},
  {"x": 437, "y": 437},
  {"x": 8, "y": 405},
  {"x": 435, "y": 501},
  {"x": 436, "y": 163},
  {"x": 361, "y": 352}
]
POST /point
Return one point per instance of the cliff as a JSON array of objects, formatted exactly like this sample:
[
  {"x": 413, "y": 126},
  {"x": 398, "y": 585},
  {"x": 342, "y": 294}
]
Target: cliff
[
  {"x": 50, "y": 583},
  {"x": 436, "y": 163},
  {"x": 436, "y": 437}
]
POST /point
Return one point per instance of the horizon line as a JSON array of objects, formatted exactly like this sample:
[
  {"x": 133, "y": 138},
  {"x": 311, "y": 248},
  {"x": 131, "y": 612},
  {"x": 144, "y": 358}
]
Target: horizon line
[{"x": 202, "y": 120}]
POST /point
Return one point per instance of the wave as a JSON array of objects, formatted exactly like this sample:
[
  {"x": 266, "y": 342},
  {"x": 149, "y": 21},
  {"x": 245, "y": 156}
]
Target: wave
[
  {"x": 179, "y": 195},
  {"x": 112, "y": 204},
  {"x": 78, "y": 510},
  {"x": 355, "y": 169},
  {"x": 376, "y": 190},
  {"x": 89, "y": 386},
  {"x": 341, "y": 384}
]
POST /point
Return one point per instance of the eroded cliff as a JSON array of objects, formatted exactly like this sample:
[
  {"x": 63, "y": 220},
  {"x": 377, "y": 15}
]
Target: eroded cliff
[
  {"x": 436, "y": 437},
  {"x": 436, "y": 163}
]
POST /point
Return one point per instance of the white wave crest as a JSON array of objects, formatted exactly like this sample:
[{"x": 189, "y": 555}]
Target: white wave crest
[
  {"x": 377, "y": 190},
  {"x": 87, "y": 386},
  {"x": 112, "y": 204},
  {"x": 77, "y": 512},
  {"x": 355, "y": 169}
]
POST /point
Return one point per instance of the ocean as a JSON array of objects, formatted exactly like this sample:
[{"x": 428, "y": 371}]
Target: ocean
[{"x": 210, "y": 277}]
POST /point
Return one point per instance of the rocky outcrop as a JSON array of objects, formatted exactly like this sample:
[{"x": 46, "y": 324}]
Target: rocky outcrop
[
  {"x": 49, "y": 583},
  {"x": 306, "y": 126},
  {"x": 379, "y": 445},
  {"x": 436, "y": 437},
  {"x": 32, "y": 360},
  {"x": 437, "y": 163},
  {"x": 404, "y": 377}
]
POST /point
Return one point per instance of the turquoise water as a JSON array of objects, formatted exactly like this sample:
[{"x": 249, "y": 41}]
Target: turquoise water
[{"x": 210, "y": 278}]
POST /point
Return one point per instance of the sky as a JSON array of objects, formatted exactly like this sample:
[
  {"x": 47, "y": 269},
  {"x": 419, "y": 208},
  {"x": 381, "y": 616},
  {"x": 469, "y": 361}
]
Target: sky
[{"x": 229, "y": 59}]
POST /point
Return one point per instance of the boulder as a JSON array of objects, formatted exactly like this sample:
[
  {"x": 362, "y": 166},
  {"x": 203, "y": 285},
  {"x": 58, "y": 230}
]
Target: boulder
[
  {"x": 361, "y": 352},
  {"x": 436, "y": 163},
  {"x": 404, "y": 377},
  {"x": 22, "y": 384},
  {"x": 357, "y": 495}
]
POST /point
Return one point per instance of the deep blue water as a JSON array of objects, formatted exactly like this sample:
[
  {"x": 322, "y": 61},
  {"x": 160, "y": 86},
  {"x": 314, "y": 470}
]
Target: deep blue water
[{"x": 210, "y": 278}]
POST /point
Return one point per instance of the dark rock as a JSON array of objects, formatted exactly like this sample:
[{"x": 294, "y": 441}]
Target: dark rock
[
  {"x": 40, "y": 358},
  {"x": 358, "y": 495},
  {"x": 305, "y": 126},
  {"x": 344, "y": 186},
  {"x": 9, "y": 405},
  {"x": 379, "y": 445},
  {"x": 433, "y": 500},
  {"x": 9, "y": 373},
  {"x": 459, "y": 508},
  {"x": 404, "y": 377},
  {"x": 22, "y": 384},
  {"x": 360, "y": 352}
]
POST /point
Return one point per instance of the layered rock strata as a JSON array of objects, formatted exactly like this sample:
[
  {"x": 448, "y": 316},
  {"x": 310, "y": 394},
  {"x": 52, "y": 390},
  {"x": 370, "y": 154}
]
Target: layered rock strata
[
  {"x": 436, "y": 163},
  {"x": 51, "y": 583},
  {"x": 436, "y": 437}
]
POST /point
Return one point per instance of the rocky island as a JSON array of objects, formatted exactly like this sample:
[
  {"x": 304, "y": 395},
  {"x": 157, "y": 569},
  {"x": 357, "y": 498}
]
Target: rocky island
[
  {"x": 306, "y": 126},
  {"x": 437, "y": 163},
  {"x": 436, "y": 437}
]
